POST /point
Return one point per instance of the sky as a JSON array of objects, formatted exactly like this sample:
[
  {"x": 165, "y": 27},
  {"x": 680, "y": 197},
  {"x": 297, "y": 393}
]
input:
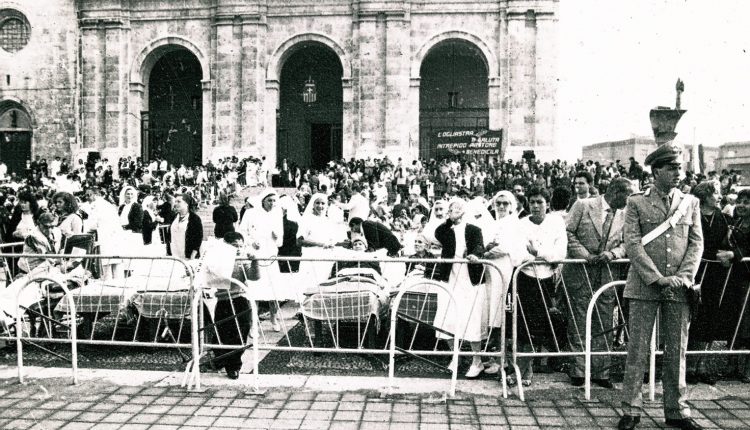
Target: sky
[{"x": 620, "y": 58}]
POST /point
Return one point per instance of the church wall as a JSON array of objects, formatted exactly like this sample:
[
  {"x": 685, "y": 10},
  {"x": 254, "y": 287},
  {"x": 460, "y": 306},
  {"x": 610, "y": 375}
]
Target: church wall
[
  {"x": 244, "y": 43},
  {"x": 42, "y": 75}
]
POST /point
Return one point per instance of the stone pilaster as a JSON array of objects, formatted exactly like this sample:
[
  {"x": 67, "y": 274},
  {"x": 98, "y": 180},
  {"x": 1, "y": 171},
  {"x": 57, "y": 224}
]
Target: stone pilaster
[
  {"x": 226, "y": 90},
  {"x": 546, "y": 81},
  {"x": 116, "y": 87},
  {"x": 372, "y": 82},
  {"x": 92, "y": 85},
  {"x": 396, "y": 126},
  {"x": 252, "y": 78},
  {"x": 521, "y": 54}
]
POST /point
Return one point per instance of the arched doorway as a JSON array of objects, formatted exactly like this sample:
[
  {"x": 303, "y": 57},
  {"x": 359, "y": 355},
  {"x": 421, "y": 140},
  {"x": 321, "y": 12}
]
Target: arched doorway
[
  {"x": 171, "y": 127},
  {"x": 15, "y": 136},
  {"x": 310, "y": 115},
  {"x": 453, "y": 92}
]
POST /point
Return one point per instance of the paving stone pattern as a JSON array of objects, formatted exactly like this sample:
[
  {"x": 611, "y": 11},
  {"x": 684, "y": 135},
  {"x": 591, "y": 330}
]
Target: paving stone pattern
[{"x": 98, "y": 406}]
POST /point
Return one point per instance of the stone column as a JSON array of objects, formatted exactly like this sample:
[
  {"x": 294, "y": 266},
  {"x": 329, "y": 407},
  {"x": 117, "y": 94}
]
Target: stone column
[
  {"x": 522, "y": 65},
  {"x": 372, "y": 83},
  {"x": 396, "y": 126},
  {"x": 412, "y": 115},
  {"x": 546, "y": 82},
  {"x": 116, "y": 88},
  {"x": 251, "y": 72},
  {"x": 349, "y": 134},
  {"x": 135, "y": 106},
  {"x": 208, "y": 137},
  {"x": 92, "y": 80},
  {"x": 270, "y": 106},
  {"x": 227, "y": 88}
]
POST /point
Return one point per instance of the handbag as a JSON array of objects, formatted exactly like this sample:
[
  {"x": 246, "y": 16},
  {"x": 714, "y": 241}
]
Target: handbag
[
  {"x": 694, "y": 298},
  {"x": 253, "y": 272}
]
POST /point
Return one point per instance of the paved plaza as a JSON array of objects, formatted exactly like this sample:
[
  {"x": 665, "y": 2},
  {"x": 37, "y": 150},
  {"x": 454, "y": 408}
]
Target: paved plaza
[{"x": 116, "y": 399}]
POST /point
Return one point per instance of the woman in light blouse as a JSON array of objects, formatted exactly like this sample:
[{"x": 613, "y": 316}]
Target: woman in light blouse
[
  {"x": 187, "y": 229},
  {"x": 545, "y": 238}
]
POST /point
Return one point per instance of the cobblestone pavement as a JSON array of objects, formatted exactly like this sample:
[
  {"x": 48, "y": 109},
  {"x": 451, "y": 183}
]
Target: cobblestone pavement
[{"x": 100, "y": 402}]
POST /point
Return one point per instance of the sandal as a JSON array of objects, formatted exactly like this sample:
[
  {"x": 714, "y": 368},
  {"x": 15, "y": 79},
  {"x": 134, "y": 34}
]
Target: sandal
[{"x": 526, "y": 382}]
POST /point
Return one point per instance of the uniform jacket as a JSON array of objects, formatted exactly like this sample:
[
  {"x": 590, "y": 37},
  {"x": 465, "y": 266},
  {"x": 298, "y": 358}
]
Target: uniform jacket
[
  {"x": 677, "y": 252},
  {"x": 584, "y": 226},
  {"x": 474, "y": 245}
]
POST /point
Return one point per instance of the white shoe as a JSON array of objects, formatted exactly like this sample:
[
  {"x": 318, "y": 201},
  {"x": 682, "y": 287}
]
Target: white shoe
[
  {"x": 475, "y": 370},
  {"x": 276, "y": 326},
  {"x": 492, "y": 369}
]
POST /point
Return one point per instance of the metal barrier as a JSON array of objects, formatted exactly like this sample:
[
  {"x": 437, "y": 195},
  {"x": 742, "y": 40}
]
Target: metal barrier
[
  {"x": 19, "y": 338},
  {"x": 191, "y": 379},
  {"x": 544, "y": 291},
  {"x": 356, "y": 296},
  {"x": 8, "y": 264},
  {"x": 146, "y": 297}
]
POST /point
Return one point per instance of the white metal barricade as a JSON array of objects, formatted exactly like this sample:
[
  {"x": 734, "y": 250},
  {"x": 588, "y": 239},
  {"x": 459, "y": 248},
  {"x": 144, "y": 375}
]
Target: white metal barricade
[
  {"x": 91, "y": 301},
  {"x": 303, "y": 285}
]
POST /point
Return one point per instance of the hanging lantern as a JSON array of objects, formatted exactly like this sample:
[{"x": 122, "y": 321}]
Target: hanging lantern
[{"x": 310, "y": 93}]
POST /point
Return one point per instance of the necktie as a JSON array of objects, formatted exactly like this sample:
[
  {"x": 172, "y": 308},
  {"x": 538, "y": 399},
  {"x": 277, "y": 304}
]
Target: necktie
[{"x": 606, "y": 229}]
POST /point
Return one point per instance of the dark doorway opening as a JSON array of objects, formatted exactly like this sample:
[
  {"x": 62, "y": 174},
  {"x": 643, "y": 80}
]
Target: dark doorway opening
[
  {"x": 15, "y": 136},
  {"x": 453, "y": 92},
  {"x": 15, "y": 149},
  {"x": 325, "y": 144},
  {"x": 172, "y": 128},
  {"x": 308, "y": 126}
]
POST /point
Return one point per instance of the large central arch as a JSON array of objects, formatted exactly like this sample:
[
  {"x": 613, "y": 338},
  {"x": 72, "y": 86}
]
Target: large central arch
[
  {"x": 484, "y": 51},
  {"x": 140, "y": 74},
  {"x": 272, "y": 99}
]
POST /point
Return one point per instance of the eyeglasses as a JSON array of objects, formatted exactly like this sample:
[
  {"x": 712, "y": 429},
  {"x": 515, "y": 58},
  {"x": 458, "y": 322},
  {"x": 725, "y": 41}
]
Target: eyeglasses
[{"x": 503, "y": 203}]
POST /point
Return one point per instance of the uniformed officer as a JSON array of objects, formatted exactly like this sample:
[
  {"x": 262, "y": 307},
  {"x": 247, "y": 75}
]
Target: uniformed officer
[{"x": 664, "y": 242}]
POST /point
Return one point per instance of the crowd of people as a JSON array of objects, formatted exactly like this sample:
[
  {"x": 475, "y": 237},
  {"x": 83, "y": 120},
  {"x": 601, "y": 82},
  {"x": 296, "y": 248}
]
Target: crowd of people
[{"x": 508, "y": 212}]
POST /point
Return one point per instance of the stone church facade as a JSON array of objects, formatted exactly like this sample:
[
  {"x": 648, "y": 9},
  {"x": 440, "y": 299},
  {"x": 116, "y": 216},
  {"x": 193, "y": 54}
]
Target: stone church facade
[{"x": 201, "y": 79}]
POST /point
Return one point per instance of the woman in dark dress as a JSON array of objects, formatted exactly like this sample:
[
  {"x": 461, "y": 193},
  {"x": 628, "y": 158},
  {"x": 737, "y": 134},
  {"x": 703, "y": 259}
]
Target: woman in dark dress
[
  {"x": 289, "y": 246},
  {"x": 151, "y": 219},
  {"x": 225, "y": 215},
  {"x": 734, "y": 306},
  {"x": 712, "y": 275}
]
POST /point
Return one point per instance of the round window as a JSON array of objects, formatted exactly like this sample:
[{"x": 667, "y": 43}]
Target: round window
[{"x": 15, "y": 30}]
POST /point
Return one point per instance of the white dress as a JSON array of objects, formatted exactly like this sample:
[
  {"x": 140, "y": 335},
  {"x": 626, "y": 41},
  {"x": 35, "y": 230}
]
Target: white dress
[
  {"x": 466, "y": 316},
  {"x": 509, "y": 251}
]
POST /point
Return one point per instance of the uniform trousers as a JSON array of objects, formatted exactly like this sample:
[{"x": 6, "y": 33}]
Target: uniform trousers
[{"x": 674, "y": 323}]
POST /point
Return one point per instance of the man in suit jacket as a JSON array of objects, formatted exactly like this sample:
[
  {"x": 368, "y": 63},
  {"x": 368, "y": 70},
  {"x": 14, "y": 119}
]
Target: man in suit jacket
[
  {"x": 594, "y": 228},
  {"x": 659, "y": 275},
  {"x": 377, "y": 234}
]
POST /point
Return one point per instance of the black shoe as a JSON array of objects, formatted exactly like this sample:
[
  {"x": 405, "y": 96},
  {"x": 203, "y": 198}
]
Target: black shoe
[
  {"x": 576, "y": 381},
  {"x": 684, "y": 424},
  {"x": 604, "y": 383},
  {"x": 233, "y": 374},
  {"x": 628, "y": 422},
  {"x": 692, "y": 378}
]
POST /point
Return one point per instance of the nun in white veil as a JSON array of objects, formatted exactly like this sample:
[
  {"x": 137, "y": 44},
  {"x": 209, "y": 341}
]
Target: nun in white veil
[
  {"x": 263, "y": 229},
  {"x": 506, "y": 250},
  {"x": 318, "y": 235},
  {"x": 316, "y": 229}
]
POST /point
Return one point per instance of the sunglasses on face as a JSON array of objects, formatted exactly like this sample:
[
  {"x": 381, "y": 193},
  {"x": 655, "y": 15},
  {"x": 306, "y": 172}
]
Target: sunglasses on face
[{"x": 502, "y": 203}]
